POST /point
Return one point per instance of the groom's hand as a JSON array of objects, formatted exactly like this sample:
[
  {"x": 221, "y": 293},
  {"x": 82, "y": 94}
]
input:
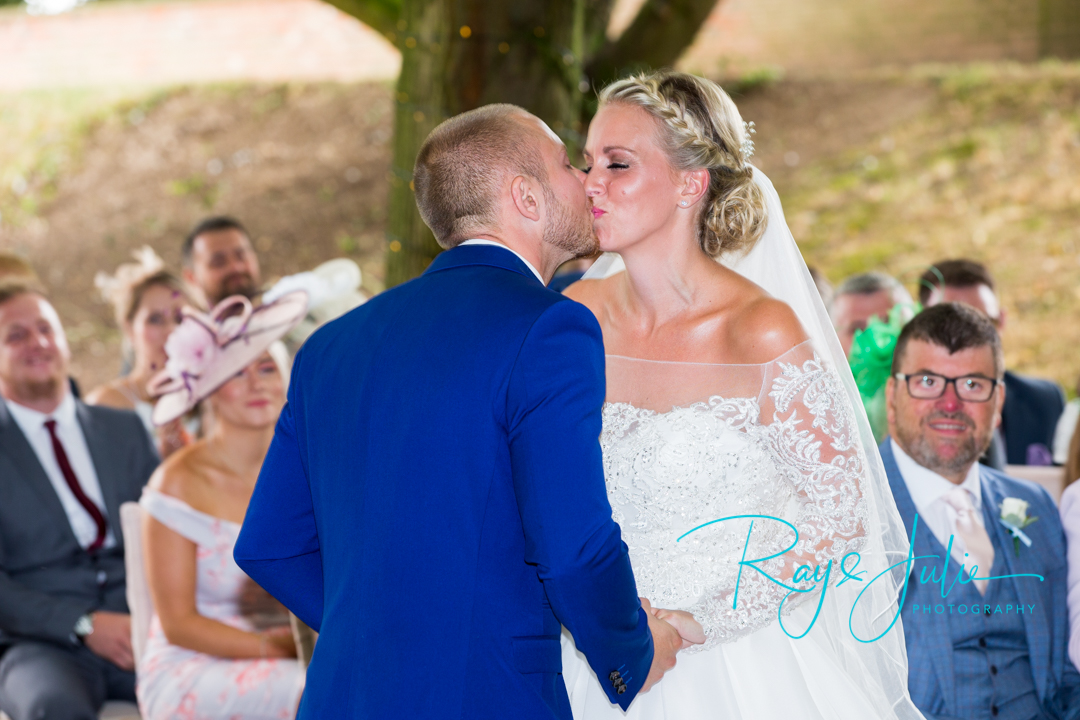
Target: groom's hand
[
  {"x": 666, "y": 643},
  {"x": 690, "y": 630}
]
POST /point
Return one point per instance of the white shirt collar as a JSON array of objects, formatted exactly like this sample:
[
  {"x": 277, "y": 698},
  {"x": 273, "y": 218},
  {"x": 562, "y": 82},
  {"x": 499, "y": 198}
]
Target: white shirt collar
[
  {"x": 926, "y": 486},
  {"x": 31, "y": 420},
  {"x": 477, "y": 241}
]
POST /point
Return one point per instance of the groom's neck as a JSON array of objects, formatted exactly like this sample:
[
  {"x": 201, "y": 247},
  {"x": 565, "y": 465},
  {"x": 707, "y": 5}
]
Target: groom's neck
[{"x": 545, "y": 257}]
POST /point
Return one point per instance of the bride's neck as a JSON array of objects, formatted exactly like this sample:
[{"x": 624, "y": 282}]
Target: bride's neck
[{"x": 666, "y": 276}]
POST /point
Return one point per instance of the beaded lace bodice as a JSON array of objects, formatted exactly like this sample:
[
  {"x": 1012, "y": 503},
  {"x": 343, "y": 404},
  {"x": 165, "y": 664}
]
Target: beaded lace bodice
[{"x": 781, "y": 444}]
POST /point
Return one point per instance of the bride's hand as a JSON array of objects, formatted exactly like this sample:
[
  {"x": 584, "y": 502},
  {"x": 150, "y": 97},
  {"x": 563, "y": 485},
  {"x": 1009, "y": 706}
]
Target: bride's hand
[{"x": 690, "y": 630}]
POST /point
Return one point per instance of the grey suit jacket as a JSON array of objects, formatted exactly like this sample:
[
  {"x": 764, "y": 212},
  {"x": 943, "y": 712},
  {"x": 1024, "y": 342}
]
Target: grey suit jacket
[{"x": 47, "y": 580}]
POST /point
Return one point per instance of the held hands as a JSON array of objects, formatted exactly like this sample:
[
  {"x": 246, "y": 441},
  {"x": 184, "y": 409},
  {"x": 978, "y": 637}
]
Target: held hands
[
  {"x": 666, "y": 643},
  {"x": 111, "y": 639},
  {"x": 688, "y": 628},
  {"x": 672, "y": 631}
]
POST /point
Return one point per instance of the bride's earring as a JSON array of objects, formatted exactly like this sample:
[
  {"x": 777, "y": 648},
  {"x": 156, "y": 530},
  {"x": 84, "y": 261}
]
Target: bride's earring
[{"x": 683, "y": 203}]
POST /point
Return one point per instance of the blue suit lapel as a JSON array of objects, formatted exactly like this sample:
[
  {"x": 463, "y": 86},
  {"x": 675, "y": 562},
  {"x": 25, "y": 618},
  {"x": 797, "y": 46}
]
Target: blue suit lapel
[
  {"x": 941, "y": 650},
  {"x": 1036, "y": 626},
  {"x": 489, "y": 255}
]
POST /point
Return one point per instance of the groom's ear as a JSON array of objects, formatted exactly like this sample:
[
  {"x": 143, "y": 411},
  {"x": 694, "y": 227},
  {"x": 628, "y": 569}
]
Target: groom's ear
[{"x": 525, "y": 193}]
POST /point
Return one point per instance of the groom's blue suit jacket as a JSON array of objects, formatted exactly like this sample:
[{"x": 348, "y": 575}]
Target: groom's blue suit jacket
[{"x": 433, "y": 502}]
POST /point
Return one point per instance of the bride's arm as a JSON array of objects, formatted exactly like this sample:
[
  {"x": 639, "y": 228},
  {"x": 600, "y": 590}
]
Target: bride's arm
[
  {"x": 813, "y": 435},
  {"x": 807, "y": 426},
  {"x": 815, "y": 440}
]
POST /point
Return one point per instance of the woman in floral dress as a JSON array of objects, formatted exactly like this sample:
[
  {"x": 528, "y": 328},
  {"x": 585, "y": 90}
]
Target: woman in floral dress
[{"x": 214, "y": 648}]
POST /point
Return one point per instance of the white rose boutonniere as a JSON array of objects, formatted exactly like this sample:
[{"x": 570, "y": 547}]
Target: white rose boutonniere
[{"x": 1014, "y": 516}]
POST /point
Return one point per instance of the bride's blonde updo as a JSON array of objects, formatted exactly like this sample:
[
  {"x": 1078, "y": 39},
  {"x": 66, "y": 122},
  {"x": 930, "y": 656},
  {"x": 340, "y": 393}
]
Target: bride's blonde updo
[{"x": 700, "y": 128}]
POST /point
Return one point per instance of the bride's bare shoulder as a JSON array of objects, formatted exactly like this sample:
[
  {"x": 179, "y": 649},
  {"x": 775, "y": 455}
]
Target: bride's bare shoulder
[
  {"x": 765, "y": 328},
  {"x": 591, "y": 293}
]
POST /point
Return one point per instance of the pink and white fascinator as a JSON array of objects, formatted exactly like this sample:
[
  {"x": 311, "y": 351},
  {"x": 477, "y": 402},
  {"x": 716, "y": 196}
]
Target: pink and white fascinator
[{"x": 206, "y": 350}]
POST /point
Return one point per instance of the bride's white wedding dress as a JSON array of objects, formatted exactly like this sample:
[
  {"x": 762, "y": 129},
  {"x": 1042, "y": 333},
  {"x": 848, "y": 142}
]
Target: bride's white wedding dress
[{"x": 689, "y": 444}]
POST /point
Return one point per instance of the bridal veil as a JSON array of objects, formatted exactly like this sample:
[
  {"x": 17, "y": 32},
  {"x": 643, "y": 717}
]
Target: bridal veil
[{"x": 856, "y": 624}]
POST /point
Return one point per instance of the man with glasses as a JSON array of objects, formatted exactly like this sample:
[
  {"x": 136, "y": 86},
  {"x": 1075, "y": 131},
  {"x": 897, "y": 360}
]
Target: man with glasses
[
  {"x": 1033, "y": 405},
  {"x": 984, "y": 610}
]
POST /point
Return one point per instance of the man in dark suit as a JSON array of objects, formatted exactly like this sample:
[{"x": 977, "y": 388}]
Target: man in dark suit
[
  {"x": 984, "y": 611},
  {"x": 65, "y": 633},
  {"x": 433, "y": 501},
  {"x": 1032, "y": 405}
]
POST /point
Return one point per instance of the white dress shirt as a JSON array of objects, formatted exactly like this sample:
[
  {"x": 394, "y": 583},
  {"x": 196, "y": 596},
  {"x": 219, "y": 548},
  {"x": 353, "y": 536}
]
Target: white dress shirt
[
  {"x": 68, "y": 430},
  {"x": 528, "y": 264},
  {"x": 928, "y": 491}
]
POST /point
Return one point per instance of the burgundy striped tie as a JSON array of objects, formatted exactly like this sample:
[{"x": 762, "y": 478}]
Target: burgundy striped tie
[{"x": 76, "y": 488}]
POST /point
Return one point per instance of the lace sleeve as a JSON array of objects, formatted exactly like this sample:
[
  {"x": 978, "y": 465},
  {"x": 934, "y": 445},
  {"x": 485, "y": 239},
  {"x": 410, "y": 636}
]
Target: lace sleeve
[{"x": 808, "y": 434}]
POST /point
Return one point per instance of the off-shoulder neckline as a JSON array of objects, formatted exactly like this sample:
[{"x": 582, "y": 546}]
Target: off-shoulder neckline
[
  {"x": 787, "y": 352},
  {"x": 177, "y": 501}
]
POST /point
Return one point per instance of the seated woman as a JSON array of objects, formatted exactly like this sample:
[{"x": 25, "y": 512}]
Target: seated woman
[
  {"x": 214, "y": 649},
  {"x": 147, "y": 300},
  {"x": 1070, "y": 521}
]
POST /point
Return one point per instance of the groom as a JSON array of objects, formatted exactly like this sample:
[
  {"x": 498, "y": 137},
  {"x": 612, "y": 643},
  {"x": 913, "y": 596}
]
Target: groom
[{"x": 433, "y": 501}]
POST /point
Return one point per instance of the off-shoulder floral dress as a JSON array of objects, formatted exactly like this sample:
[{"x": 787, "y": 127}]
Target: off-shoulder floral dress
[{"x": 176, "y": 683}]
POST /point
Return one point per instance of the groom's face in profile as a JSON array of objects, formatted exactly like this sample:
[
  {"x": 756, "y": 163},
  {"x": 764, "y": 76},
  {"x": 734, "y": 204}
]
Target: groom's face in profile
[{"x": 569, "y": 222}]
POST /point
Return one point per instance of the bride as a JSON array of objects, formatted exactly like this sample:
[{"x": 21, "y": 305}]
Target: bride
[{"x": 732, "y": 422}]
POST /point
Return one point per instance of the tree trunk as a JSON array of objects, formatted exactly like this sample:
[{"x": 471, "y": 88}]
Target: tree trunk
[
  {"x": 421, "y": 37},
  {"x": 1059, "y": 29},
  {"x": 460, "y": 54},
  {"x": 660, "y": 32}
]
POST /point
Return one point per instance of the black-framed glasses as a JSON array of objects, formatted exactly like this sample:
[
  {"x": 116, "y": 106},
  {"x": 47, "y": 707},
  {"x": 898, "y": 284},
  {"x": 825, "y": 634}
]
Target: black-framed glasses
[{"x": 930, "y": 386}]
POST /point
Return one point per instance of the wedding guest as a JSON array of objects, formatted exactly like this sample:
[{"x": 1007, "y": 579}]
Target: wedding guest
[
  {"x": 824, "y": 287},
  {"x": 147, "y": 300},
  {"x": 861, "y": 297},
  {"x": 1072, "y": 459},
  {"x": 219, "y": 260},
  {"x": 1032, "y": 405},
  {"x": 1070, "y": 519},
  {"x": 65, "y": 633},
  {"x": 15, "y": 269},
  {"x": 208, "y": 653},
  {"x": 992, "y": 644},
  {"x": 1066, "y": 428}
]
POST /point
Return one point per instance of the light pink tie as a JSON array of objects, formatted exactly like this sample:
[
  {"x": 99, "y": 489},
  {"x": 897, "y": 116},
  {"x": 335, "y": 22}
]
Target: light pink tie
[{"x": 970, "y": 530}]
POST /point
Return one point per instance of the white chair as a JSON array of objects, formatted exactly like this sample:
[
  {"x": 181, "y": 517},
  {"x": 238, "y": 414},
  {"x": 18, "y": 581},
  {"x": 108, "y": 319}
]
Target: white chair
[
  {"x": 305, "y": 638},
  {"x": 140, "y": 604},
  {"x": 1050, "y": 477},
  {"x": 114, "y": 710}
]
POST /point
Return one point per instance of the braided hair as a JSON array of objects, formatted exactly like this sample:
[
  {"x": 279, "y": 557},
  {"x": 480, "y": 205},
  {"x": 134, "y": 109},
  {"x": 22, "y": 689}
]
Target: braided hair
[{"x": 700, "y": 128}]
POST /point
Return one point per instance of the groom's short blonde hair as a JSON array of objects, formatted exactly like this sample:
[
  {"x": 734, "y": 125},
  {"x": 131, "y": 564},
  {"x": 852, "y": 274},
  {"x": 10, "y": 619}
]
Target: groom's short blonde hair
[{"x": 466, "y": 163}]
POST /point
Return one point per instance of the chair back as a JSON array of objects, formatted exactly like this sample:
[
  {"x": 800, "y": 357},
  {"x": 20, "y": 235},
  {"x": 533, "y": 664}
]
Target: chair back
[
  {"x": 1051, "y": 477},
  {"x": 140, "y": 603},
  {"x": 305, "y": 638}
]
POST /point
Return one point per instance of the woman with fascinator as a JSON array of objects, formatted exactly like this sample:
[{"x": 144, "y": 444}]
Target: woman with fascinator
[
  {"x": 147, "y": 300},
  {"x": 732, "y": 423},
  {"x": 218, "y": 645}
]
